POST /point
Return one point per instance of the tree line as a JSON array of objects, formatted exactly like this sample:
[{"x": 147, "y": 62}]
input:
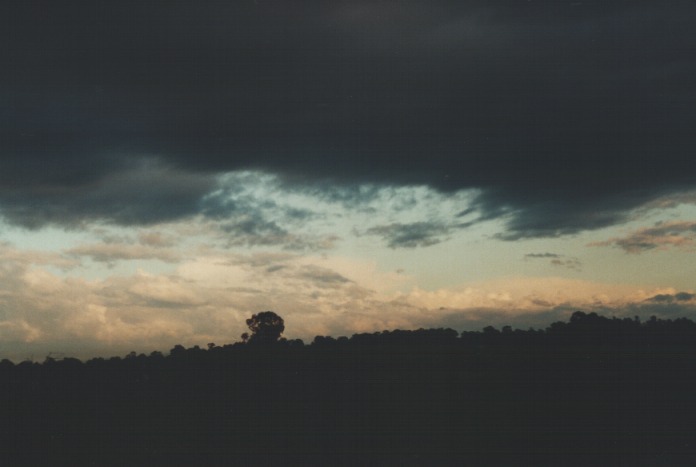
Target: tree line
[{"x": 592, "y": 390}]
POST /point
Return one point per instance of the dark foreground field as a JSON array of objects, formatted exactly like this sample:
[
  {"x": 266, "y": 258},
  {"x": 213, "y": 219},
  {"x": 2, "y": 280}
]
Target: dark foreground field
[{"x": 593, "y": 391}]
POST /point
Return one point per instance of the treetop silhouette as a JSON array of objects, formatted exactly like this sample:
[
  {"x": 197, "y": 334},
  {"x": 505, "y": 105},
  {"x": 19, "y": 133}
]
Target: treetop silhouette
[{"x": 266, "y": 327}]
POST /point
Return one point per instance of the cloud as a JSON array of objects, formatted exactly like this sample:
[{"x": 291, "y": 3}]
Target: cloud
[
  {"x": 156, "y": 239},
  {"x": 662, "y": 236},
  {"x": 542, "y": 255},
  {"x": 140, "y": 192},
  {"x": 671, "y": 298},
  {"x": 206, "y": 297},
  {"x": 251, "y": 209},
  {"x": 557, "y": 260},
  {"x": 672, "y": 200},
  {"x": 564, "y": 116},
  {"x": 203, "y": 299},
  {"x": 537, "y": 302},
  {"x": 316, "y": 274},
  {"x": 420, "y": 216},
  {"x": 572, "y": 263},
  {"x": 417, "y": 234},
  {"x": 147, "y": 244},
  {"x": 11, "y": 257},
  {"x": 255, "y": 231},
  {"x": 110, "y": 253}
]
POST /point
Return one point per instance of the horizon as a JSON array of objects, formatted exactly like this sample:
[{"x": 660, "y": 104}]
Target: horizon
[
  {"x": 355, "y": 166},
  {"x": 625, "y": 331}
]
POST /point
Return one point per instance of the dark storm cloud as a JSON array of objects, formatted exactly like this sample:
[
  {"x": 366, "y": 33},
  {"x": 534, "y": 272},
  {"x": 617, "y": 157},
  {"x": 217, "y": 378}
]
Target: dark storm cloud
[
  {"x": 146, "y": 193},
  {"x": 564, "y": 114}
]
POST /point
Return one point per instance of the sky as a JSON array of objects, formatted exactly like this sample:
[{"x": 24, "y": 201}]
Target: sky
[{"x": 168, "y": 169}]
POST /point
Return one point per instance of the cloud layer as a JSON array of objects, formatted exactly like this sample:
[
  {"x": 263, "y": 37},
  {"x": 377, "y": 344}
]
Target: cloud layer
[
  {"x": 565, "y": 115},
  {"x": 206, "y": 297}
]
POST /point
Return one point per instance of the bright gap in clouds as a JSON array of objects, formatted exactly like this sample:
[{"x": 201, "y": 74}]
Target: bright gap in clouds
[{"x": 330, "y": 260}]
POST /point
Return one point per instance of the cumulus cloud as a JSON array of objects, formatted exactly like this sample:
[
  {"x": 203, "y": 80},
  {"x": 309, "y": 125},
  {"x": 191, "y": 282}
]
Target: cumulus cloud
[
  {"x": 204, "y": 299},
  {"x": 207, "y": 297},
  {"x": 661, "y": 236},
  {"x": 566, "y": 116},
  {"x": 536, "y": 302}
]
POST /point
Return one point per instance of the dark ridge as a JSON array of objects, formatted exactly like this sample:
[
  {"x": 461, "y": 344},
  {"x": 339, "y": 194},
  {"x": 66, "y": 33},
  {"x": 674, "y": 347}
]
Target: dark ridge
[{"x": 590, "y": 391}]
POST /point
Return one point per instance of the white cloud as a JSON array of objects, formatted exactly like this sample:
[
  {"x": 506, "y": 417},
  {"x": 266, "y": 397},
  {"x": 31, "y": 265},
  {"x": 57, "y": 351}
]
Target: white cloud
[{"x": 527, "y": 294}]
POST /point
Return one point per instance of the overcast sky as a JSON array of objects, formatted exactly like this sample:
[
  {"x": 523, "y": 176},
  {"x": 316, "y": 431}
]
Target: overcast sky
[{"x": 169, "y": 168}]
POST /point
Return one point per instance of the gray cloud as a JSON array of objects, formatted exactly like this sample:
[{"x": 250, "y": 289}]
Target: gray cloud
[
  {"x": 541, "y": 255},
  {"x": 571, "y": 263},
  {"x": 254, "y": 229},
  {"x": 557, "y": 260},
  {"x": 110, "y": 253},
  {"x": 663, "y": 235},
  {"x": 147, "y": 192},
  {"x": 684, "y": 296},
  {"x": 565, "y": 115},
  {"x": 671, "y": 298},
  {"x": 113, "y": 247},
  {"x": 156, "y": 239},
  {"x": 417, "y": 234},
  {"x": 250, "y": 209},
  {"x": 322, "y": 276}
]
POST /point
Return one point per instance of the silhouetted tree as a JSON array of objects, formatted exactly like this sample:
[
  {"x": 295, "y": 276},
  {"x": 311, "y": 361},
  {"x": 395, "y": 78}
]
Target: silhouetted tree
[{"x": 266, "y": 327}]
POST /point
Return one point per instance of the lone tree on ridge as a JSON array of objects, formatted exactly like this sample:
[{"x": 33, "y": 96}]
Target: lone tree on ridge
[{"x": 266, "y": 327}]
